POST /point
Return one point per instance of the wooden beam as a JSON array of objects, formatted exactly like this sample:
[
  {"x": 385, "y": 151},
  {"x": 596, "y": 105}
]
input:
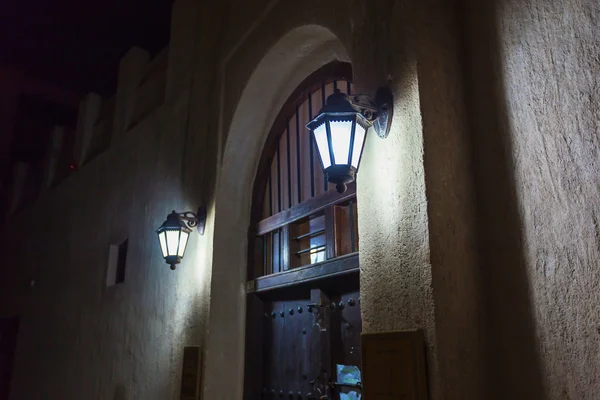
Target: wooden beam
[
  {"x": 330, "y": 232},
  {"x": 337, "y": 266},
  {"x": 305, "y": 209}
]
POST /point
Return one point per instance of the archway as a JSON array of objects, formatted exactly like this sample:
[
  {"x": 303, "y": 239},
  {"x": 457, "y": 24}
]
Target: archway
[{"x": 295, "y": 56}]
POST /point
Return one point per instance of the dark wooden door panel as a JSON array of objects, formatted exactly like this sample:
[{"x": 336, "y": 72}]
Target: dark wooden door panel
[
  {"x": 302, "y": 338},
  {"x": 294, "y": 347},
  {"x": 273, "y": 377},
  {"x": 348, "y": 324},
  {"x": 394, "y": 365},
  {"x": 286, "y": 344}
]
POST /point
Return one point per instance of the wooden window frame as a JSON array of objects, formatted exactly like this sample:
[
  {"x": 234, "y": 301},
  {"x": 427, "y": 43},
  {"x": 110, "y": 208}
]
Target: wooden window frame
[{"x": 336, "y": 70}]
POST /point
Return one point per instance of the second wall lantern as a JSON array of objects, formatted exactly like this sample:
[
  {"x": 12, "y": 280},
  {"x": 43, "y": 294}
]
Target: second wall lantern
[
  {"x": 174, "y": 233},
  {"x": 340, "y": 130}
]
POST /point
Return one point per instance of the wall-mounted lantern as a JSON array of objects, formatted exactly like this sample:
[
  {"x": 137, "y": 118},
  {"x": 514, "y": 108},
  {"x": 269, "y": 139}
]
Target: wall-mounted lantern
[
  {"x": 173, "y": 234},
  {"x": 341, "y": 128}
]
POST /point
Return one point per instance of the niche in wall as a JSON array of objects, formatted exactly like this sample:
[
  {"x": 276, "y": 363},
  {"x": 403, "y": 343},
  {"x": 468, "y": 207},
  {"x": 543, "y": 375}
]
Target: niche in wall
[{"x": 117, "y": 263}]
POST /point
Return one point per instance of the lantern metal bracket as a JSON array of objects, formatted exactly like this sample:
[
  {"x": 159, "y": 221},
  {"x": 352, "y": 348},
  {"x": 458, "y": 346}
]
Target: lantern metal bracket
[
  {"x": 378, "y": 110},
  {"x": 195, "y": 220}
]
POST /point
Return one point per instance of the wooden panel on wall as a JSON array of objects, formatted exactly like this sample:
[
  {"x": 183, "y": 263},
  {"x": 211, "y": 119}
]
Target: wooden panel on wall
[
  {"x": 190, "y": 376},
  {"x": 394, "y": 366}
]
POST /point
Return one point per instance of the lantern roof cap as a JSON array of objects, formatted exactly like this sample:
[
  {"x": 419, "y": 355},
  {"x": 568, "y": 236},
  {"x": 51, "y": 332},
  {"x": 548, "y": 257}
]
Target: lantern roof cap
[
  {"x": 338, "y": 102},
  {"x": 174, "y": 221},
  {"x": 338, "y": 107}
]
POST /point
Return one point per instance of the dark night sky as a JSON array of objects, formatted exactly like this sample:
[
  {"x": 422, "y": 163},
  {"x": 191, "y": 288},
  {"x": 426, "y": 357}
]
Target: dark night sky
[
  {"x": 74, "y": 46},
  {"x": 77, "y": 44}
]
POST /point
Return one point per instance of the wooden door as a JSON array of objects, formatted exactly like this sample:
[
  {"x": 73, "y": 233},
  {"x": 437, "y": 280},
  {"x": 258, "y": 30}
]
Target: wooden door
[{"x": 303, "y": 335}]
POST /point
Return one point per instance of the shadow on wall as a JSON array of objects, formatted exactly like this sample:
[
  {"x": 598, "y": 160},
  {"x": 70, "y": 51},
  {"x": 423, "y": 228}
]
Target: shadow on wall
[{"x": 513, "y": 369}]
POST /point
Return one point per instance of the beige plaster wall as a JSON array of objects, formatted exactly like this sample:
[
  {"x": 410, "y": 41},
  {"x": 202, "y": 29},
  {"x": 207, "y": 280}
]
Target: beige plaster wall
[
  {"x": 396, "y": 273},
  {"x": 451, "y": 221},
  {"x": 78, "y": 338},
  {"x": 550, "y": 74},
  {"x": 255, "y": 65},
  {"x": 510, "y": 362},
  {"x": 396, "y": 280},
  {"x": 476, "y": 215}
]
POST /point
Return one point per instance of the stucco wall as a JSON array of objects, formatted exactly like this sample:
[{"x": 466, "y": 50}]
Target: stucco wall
[
  {"x": 506, "y": 326},
  {"x": 79, "y": 338},
  {"x": 477, "y": 215},
  {"x": 449, "y": 194},
  {"x": 395, "y": 254},
  {"x": 551, "y": 74},
  {"x": 396, "y": 278}
]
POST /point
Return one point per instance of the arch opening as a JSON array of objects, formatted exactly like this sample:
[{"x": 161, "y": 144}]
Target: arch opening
[{"x": 282, "y": 69}]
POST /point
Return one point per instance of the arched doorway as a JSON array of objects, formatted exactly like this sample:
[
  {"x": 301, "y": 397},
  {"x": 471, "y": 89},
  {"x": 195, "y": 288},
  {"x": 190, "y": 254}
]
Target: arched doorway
[
  {"x": 303, "y": 319},
  {"x": 285, "y": 65}
]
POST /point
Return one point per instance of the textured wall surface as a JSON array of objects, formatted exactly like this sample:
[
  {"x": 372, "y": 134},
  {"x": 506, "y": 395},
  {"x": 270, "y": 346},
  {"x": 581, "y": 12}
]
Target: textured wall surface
[
  {"x": 478, "y": 215},
  {"x": 295, "y": 56},
  {"x": 79, "y": 338},
  {"x": 259, "y": 58},
  {"x": 450, "y": 205},
  {"x": 551, "y": 75},
  {"x": 396, "y": 280}
]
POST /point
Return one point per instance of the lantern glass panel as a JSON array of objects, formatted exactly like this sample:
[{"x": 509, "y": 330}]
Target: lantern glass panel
[
  {"x": 172, "y": 242},
  {"x": 162, "y": 237},
  {"x": 359, "y": 139},
  {"x": 321, "y": 139},
  {"x": 182, "y": 243},
  {"x": 341, "y": 132}
]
